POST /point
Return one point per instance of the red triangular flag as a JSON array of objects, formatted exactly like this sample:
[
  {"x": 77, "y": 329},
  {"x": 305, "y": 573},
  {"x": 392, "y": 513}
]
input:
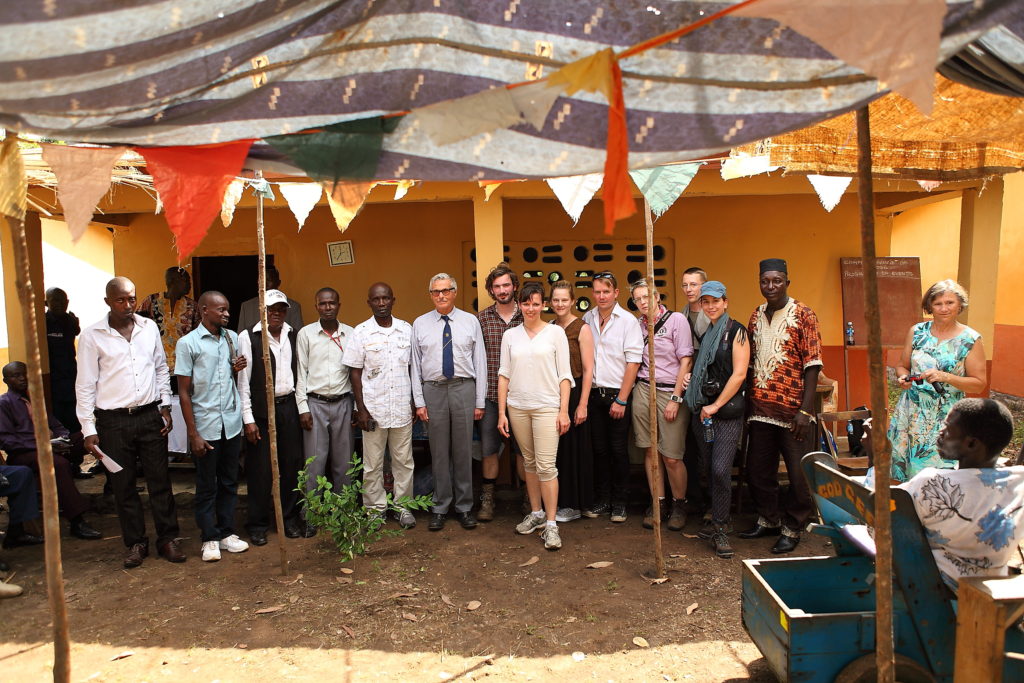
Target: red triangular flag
[
  {"x": 191, "y": 182},
  {"x": 618, "y": 190}
]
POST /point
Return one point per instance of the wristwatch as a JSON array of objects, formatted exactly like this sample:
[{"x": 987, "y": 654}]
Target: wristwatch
[{"x": 675, "y": 398}]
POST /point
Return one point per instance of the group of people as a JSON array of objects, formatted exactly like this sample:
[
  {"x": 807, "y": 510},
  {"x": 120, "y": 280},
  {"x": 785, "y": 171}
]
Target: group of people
[{"x": 559, "y": 396}]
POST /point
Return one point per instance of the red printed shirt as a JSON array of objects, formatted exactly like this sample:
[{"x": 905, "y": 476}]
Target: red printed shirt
[{"x": 781, "y": 349}]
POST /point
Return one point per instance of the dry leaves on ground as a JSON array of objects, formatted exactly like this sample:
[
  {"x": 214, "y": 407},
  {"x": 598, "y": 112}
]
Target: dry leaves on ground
[
  {"x": 691, "y": 609},
  {"x": 409, "y": 616},
  {"x": 532, "y": 560},
  {"x": 640, "y": 642},
  {"x": 268, "y": 610},
  {"x": 472, "y": 605},
  {"x": 599, "y": 565}
]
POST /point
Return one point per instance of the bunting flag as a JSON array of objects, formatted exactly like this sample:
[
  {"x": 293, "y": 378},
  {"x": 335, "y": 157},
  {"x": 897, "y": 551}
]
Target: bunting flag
[
  {"x": 575, "y": 192},
  {"x": 191, "y": 181},
  {"x": 83, "y": 177},
  {"x": 13, "y": 183},
  {"x": 232, "y": 195},
  {"x": 600, "y": 73},
  {"x": 159, "y": 203},
  {"x": 662, "y": 186},
  {"x": 346, "y": 200},
  {"x": 744, "y": 165},
  {"x": 402, "y": 187},
  {"x": 929, "y": 185},
  {"x": 896, "y": 41},
  {"x": 301, "y": 198},
  {"x": 343, "y": 151},
  {"x": 534, "y": 101},
  {"x": 830, "y": 189}
]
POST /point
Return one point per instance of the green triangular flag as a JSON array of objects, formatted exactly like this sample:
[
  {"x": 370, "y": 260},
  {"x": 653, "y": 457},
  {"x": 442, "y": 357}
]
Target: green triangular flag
[
  {"x": 341, "y": 151},
  {"x": 662, "y": 186}
]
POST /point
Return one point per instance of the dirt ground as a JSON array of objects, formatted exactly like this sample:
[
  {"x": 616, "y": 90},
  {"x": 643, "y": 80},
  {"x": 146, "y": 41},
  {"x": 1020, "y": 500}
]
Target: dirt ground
[{"x": 403, "y": 613}]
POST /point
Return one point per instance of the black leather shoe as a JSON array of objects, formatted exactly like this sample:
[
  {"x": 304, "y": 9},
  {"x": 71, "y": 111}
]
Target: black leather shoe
[
  {"x": 136, "y": 554},
  {"x": 437, "y": 521},
  {"x": 79, "y": 474},
  {"x": 22, "y": 539},
  {"x": 760, "y": 531},
  {"x": 4, "y": 567},
  {"x": 259, "y": 537},
  {"x": 309, "y": 531},
  {"x": 81, "y": 529},
  {"x": 466, "y": 519},
  {"x": 290, "y": 530},
  {"x": 785, "y": 544}
]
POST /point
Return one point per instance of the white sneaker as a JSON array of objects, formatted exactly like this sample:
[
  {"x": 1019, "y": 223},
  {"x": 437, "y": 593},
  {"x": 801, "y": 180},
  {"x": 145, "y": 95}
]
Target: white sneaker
[
  {"x": 529, "y": 523},
  {"x": 233, "y": 544},
  {"x": 552, "y": 539},
  {"x": 211, "y": 551},
  {"x": 9, "y": 590},
  {"x": 566, "y": 515}
]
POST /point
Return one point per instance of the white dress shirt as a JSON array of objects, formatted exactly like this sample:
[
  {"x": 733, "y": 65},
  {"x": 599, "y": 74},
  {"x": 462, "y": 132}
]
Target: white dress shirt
[
  {"x": 384, "y": 354},
  {"x": 621, "y": 342},
  {"x": 284, "y": 381},
  {"x": 114, "y": 372},
  {"x": 468, "y": 352},
  {"x": 320, "y": 368},
  {"x": 535, "y": 367}
]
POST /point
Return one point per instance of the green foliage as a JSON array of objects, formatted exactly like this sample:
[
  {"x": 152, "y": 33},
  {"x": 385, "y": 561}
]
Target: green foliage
[{"x": 340, "y": 514}]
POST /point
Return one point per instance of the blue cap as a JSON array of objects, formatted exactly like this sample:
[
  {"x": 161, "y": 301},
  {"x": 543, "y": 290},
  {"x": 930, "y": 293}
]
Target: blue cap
[{"x": 713, "y": 288}]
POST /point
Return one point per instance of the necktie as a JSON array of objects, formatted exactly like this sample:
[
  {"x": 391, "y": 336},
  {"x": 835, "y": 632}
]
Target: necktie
[{"x": 447, "y": 355}]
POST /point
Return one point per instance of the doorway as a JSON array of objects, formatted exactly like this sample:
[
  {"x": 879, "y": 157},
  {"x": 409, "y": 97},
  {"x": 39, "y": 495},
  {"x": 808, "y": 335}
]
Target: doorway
[{"x": 236, "y": 277}]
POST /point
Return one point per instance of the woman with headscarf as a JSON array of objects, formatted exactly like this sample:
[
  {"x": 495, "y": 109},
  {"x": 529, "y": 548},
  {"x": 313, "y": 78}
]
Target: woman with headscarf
[{"x": 715, "y": 395}]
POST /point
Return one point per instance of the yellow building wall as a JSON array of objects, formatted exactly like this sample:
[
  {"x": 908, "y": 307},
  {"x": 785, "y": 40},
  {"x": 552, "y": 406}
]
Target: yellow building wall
[
  {"x": 1007, "y": 360},
  {"x": 932, "y": 233}
]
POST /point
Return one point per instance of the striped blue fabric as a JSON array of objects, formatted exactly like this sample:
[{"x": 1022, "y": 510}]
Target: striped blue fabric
[{"x": 164, "y": 72}]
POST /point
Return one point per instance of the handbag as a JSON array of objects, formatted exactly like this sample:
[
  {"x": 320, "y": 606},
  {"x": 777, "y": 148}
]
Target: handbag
[{"x": 733, "y": 408}]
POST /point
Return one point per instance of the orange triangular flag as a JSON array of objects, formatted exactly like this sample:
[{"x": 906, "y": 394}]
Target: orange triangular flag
[
  {"x": 618, "y": 189},
  {"x": 83, "y": 177},
  {"x": 13, "y": 184},
  {"x": 346, "y": 199},
  {"x": 191, "y": 182}
]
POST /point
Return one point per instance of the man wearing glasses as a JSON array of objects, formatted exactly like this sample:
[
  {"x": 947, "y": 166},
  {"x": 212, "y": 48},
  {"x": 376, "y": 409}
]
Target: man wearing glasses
[
  {"x": 449, "y": 388},
  {"x": 618, "y": 350}
]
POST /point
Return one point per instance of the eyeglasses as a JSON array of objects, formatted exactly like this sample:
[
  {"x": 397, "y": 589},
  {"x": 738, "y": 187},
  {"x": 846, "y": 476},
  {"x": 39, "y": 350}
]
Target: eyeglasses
[
  {"x": 442, "y": 292},
  {"x": 604, "y": 275}
]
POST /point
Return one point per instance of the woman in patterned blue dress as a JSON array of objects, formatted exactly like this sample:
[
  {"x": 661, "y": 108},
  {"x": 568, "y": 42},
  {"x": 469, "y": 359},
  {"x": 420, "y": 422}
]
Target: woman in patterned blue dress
[{"x": 942, "y": 361}]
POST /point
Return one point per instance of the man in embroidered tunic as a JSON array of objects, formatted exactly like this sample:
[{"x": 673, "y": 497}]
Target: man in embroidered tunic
[{"x": 786, "y": 354}]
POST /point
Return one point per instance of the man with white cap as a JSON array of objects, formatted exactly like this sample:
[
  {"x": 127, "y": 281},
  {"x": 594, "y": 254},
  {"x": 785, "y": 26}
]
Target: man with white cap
[{"x": 252, "y": 387}]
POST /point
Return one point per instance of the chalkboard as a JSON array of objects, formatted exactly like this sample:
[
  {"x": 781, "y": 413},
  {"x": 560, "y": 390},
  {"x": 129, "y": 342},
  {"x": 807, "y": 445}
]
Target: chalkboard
[{"x": 899, "y": 297}]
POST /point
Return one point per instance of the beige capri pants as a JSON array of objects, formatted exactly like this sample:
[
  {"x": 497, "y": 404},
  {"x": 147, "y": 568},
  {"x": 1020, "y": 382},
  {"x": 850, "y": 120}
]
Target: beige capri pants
[{"x": 536, "y": 432}]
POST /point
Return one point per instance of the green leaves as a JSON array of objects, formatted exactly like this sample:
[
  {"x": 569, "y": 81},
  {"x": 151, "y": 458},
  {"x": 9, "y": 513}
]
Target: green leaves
[{"x": 340, "y": 513}]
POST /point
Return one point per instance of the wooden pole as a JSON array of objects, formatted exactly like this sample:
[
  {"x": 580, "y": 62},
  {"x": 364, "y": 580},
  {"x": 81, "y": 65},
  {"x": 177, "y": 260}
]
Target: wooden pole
[
  {"x": 275, "y": 480},
  {"x": 879, "y": 404},
  {"x": 44, "y": 452},
  {"x": 653, "y": 459}
]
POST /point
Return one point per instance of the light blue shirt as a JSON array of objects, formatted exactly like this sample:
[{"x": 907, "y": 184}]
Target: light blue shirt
[
  {"x": 216, "y": 404},
  {"x": 469, "y": 353}
]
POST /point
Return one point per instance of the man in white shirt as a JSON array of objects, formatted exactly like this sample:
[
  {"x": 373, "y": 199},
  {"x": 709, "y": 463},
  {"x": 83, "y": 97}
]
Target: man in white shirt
[
  {"x": 123, "y": 403},
  {"x": 618, "y": 351},
  {"x": 252, "y": 387},
  {"x": 449, "y": 387},
  {"x": 378, "y": 357},
  {"x": 323, "y": 393}
]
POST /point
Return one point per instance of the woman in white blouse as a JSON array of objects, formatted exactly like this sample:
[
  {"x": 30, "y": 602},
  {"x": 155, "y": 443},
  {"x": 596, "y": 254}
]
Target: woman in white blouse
[{"x": 534, "y": 380}]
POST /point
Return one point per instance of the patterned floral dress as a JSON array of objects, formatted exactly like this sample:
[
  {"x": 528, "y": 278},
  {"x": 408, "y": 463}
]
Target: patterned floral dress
[{"x": 921, "y": 410}]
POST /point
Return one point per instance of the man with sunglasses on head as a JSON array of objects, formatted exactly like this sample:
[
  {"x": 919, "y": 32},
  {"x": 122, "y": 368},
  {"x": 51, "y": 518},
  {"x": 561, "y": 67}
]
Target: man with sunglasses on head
[
  {"x": 449, "y": 388},
  {"x": 618, "y": 351}
]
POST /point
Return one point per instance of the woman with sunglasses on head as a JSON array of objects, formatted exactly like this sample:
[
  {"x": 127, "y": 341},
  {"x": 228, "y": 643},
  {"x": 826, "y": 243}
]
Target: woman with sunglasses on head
[
  {"x": 575, "y": 455},
  {"x": 534, "y": 381},
  {"x": 943, "y": 360},
  {"x": 715, "y": 396}
]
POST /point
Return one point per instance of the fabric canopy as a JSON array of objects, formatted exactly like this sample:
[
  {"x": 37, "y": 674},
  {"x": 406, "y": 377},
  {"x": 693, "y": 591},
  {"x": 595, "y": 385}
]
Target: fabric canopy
[{"x": 155, "y": 72}]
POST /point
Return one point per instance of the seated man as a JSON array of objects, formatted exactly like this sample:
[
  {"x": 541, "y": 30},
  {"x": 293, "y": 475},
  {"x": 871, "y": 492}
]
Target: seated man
[
  {"x": 973, "y": 516},
  {"x": 18, "y": 439},
  {"x": 19, "y": 488}
]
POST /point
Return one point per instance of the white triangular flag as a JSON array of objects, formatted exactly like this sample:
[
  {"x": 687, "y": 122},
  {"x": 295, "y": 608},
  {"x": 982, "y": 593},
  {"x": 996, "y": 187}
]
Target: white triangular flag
[
  {"x": 402, "y": 187},
  {"x": 534, "y": 101},
  {"x": 662, "y": 186},
  {"x": 454, "y": 120},
  {"x": 301, "y": 198},
  {"x": 830, "y": 189},
  {"x": 83, "y": 177},
  {"x": 929, "y": 185},
  {"x": 232, "y": 195},
  {"x": 575, "y": 192},
  {"x": 744, "y": 165}
]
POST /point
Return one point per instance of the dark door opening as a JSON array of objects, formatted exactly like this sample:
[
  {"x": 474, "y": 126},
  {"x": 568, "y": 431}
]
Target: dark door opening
[{"x": 237, "y": 277}]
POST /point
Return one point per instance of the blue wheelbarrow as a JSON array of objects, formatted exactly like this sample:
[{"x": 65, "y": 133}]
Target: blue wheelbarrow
[{"x": 813, "y": 618}]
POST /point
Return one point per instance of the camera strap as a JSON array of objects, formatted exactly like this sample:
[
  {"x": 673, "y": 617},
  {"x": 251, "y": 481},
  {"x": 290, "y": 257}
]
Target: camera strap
[{"x": 658, "y": 325}]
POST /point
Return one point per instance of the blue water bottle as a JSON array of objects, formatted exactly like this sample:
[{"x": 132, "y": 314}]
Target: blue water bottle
[{"x": 709, "y": 430}]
